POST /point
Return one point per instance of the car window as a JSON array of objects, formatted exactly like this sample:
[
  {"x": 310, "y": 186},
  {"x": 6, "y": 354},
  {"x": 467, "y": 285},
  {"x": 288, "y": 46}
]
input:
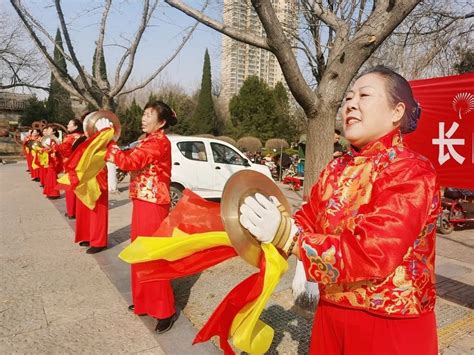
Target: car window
[
  {"x": 224, "y": 155},
  {"x": 193, "y": 150}
]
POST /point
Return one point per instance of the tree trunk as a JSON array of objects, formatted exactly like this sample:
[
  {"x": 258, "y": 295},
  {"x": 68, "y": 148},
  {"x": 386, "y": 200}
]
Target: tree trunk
[
  {"x": 319, "y": 147},
  {"x": 108, "y": 104}
]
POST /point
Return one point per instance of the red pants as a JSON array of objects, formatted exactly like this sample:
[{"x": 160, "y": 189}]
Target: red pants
[
  {"x": 92, "y": 225},
  {"x": 153, "y": 298},
  {"x": 42, "y": 175},
  {"x": 28, "y": 162},
  {"x": 99, "y": 221},
  {"x": 339, "y": 330},
  {"x": 70, "y": 203},
  {"x": 34, "y": 173},
  {"x": 50, "y": 183}
]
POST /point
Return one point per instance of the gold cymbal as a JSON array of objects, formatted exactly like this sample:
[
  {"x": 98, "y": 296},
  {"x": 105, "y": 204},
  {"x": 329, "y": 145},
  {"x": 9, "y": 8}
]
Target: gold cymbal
[
  {"x": 240, "y": 185},
  {"x": 91, "y": 119}
]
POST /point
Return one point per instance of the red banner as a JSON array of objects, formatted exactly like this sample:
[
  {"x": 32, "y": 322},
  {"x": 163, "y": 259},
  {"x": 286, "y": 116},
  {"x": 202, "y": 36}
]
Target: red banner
[{"x": 445, "y": 133}]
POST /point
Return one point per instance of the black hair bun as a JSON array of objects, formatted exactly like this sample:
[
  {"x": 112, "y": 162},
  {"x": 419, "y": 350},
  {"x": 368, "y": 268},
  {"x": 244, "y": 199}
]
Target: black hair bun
[
  {"x": 412, "y": 118},
  {"x": 172, "y": 120}
]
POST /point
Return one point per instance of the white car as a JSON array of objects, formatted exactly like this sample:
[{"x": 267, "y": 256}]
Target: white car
[{"x": 204, "y": 165}]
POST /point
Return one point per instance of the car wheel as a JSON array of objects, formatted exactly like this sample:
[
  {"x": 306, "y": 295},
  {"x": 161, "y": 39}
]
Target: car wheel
[{"x": 175, "y": 195}]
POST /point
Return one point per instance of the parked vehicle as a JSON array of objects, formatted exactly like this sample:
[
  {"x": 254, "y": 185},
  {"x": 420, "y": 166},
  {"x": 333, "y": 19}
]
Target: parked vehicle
[
  {"x": 458, "y": 209},
  {"x": 204, "y": 165}
]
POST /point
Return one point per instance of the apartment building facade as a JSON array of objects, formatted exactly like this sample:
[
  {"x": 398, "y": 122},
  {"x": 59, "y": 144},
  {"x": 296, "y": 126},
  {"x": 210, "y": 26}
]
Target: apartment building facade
[{"x": 240, "y": 60}]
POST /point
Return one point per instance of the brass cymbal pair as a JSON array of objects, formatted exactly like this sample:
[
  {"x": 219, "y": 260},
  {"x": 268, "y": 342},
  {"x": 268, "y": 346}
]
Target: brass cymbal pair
[
  {"x": 91, "y": 119},
  {"x": 240, "y": 185}
]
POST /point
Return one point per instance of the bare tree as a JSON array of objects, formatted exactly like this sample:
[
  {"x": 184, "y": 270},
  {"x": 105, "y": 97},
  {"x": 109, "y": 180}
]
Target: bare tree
[
  {"x": 426, "y": 43},
  {"x": 337, "y": 37},
  {"x": 91, "y": 87},
  {"x": 20, "y": 66}
]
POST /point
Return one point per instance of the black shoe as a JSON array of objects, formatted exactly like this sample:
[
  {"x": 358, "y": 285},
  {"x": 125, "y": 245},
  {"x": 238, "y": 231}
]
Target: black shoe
[
  {"x": 93, "y": 250},
  {"x": 53, "y": 197},
  {"x": 41, "y": 185},
  {"x": 166, "y": 324},
  {"x": 131, "y": 308},
  {"x": 65, "y": 214},
  {"x": 35, "y": 179},
  {"x": 84, "y": 244},
  {"x": 71, "y": 217}
]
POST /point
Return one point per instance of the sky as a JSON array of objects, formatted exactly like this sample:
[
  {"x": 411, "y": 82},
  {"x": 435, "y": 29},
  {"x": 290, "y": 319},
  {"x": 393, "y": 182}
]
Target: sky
[{"x": 158, "y": 42}]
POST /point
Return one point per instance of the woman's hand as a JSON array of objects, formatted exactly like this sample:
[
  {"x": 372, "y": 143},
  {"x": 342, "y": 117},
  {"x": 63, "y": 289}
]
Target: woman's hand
[
  {"x": 261, "y": 217},
  {"x": 103, "y": 123}
]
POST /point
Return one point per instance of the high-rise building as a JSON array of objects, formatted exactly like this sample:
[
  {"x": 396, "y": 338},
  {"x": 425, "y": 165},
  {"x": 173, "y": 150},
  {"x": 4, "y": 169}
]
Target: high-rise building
[{"x": 240, "y": 60}]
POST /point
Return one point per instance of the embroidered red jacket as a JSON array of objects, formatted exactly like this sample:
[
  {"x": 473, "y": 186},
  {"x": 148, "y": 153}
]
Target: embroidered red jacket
[
  {"x": 369, "y": 228},
  {"x": 150, "y": 166}
]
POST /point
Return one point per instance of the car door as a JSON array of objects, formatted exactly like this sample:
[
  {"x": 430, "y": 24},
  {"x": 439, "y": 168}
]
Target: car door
[
  {"x": 192, "y": 168},
  {"x": 227, "y": 161}
]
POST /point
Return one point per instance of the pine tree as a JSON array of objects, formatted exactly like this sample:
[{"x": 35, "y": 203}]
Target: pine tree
[
  {"x": 102, "y": 68},
  {"x": 59, "y": 101},
  {"x": 97, "y": 92},
  {"x": 204, "y": 119},
  {"x": 34, "y": 110},
  {"x": 152, "y": 97},
  {"x": 260, "y": 111},
  {"x": 131, "y": 123}
]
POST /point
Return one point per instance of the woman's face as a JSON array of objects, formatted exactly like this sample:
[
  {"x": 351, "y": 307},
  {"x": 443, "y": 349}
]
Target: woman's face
[
  {"x": 367, "y": 112},
  {"x": 71, "y": 126},
  {"x": 151, "y": 121},
  {"x": 34, "y": 133}
]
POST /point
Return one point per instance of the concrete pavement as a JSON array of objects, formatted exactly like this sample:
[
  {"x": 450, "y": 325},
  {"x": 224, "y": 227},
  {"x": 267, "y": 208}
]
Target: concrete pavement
[{"x": 54, "y": 298}]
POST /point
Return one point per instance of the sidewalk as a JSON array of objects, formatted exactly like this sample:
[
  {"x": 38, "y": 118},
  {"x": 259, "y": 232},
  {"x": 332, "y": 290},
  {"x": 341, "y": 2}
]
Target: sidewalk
[
  {"x": 54, "y": 297},
  {"x": 57, "y": 299}
]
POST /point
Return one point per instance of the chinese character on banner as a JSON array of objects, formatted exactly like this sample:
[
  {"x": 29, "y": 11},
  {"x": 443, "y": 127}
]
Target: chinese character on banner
[
  {"x": 445, "y": 133},
  {"x": 444, "y": 139}
]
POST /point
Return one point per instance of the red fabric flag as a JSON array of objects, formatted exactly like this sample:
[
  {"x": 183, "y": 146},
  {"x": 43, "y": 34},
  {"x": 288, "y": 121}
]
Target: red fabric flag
[
  {"x": 192, "y": 214},
  {"x": 221, "y": 320}
]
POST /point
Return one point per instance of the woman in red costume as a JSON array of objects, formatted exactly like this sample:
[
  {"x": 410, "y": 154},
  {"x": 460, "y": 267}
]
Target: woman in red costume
[
  {"x": 92, "y": 225},
  {"x": 26, "y": 150},
  {"x": 41, "y": 154},
  {"x": 53, "y": 166},
  {"x": 367, "y": 232},
  {"x": 150, "y": 166},
  {"x": 75, "y": 130},
  {"x": 35, "y": 168}
]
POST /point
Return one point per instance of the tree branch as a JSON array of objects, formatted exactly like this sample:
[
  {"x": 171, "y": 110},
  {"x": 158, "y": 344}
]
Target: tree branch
[
  {"x": 20, "y": 84},
  {"x": 133, "y": 49},
  {"x": 280, "y": 46},
  {"x": 100, "y": 49},
  {"x": 329, "y": 18},
  {"x": 70, "y": 47},
  {"x": 163, "y": 66},
  {"x": 57, "y": 71},
  {"x": 234, "y": 33}
]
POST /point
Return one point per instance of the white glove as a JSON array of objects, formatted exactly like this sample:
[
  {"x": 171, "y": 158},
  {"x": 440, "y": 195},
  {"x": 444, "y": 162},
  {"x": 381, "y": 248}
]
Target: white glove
[
  {"x": 261, "y": 217},
  {"x": 102, "y": 123}
]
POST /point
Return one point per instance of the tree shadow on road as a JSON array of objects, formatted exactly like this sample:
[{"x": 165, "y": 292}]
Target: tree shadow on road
[
  {"x": 182, "y": 289},
  {"x": 287, "y": 321},
  {"x": 119, "y": 236}
]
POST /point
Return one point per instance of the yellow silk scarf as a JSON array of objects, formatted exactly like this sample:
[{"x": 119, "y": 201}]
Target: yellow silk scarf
[
  {"x": 248, "y": 333},
  {"x": 91, "y": 163}
]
